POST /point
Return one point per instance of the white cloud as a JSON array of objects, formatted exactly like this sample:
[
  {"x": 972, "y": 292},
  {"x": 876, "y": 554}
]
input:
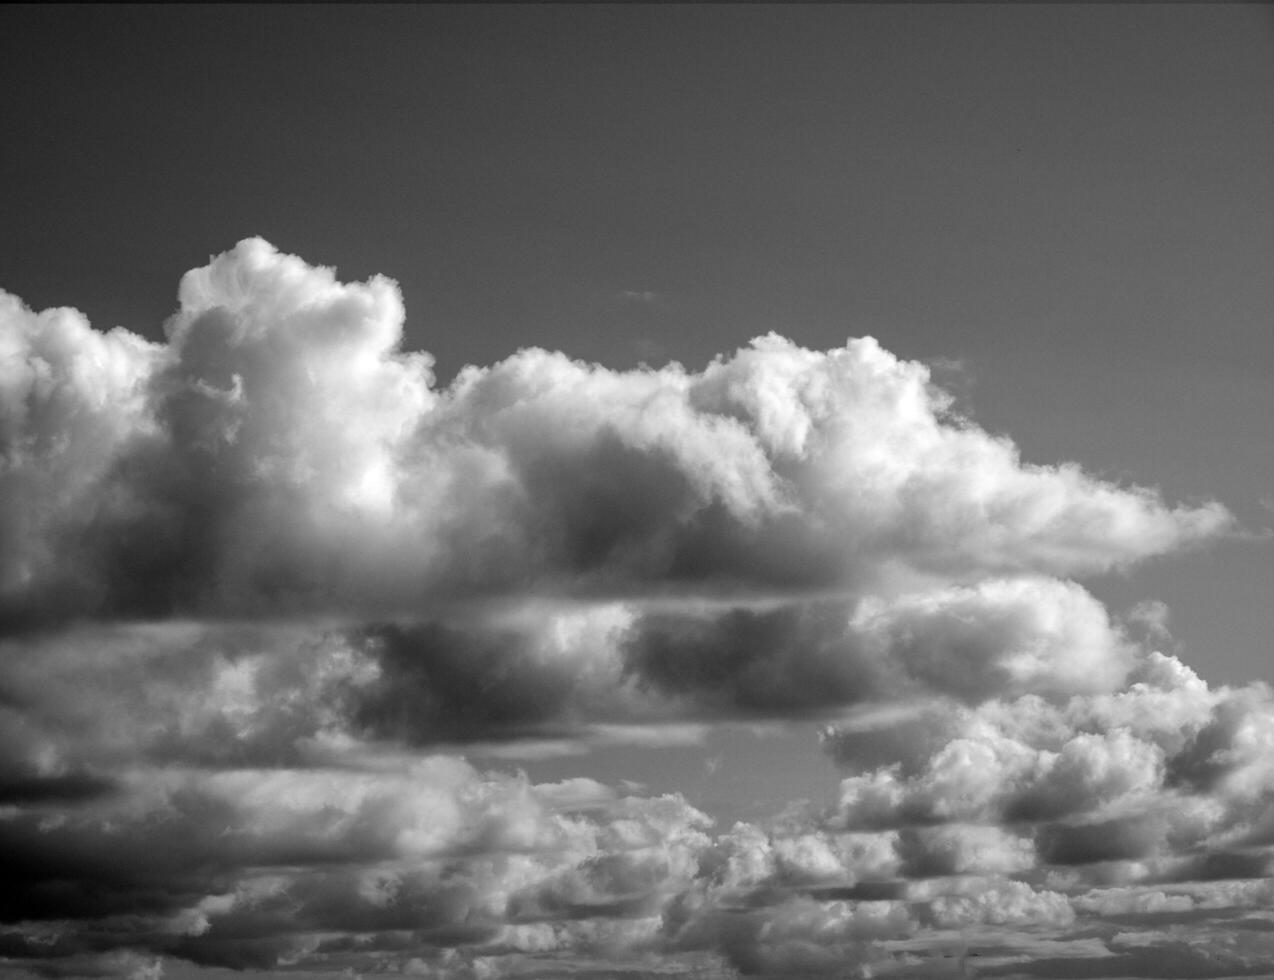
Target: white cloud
[
  {"x": 1001, "y": 902},
  {"x": 280, "y": 452},
  {"x": 261, "y": 584}
]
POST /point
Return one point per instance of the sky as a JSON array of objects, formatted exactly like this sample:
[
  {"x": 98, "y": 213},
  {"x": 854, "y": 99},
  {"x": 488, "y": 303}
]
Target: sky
[{"x": 620, "y": 491}]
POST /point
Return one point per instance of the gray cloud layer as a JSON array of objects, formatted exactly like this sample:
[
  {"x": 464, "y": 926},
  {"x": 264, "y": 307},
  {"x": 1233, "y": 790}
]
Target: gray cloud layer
[{"x": 261, "y": 584}]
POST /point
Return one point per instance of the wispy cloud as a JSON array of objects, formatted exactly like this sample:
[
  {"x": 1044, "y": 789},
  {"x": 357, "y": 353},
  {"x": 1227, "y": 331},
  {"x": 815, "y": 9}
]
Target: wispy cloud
[{"x": 638, "y": 296}]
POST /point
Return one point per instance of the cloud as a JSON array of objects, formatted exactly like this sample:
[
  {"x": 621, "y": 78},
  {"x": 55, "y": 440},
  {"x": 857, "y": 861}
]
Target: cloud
[
  {"x": 84, "y": 700},
  {"x": 1163, "y": 781},
  {"x": 1001, "y": 902},
  {"x": 72, "y": 403},
  {"x": 1176, "y": 953},
  {"x": 643, "y": 296},
  {"x": 267, "y": 590},
  {"x": 239, "y": 867},
  {"x": 279, "y": 452}
]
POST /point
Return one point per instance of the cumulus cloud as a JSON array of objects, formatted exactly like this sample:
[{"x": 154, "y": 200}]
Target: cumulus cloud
[
  {"x": 83, "y": 700},
  {"x": 239, "y": 867},
  {"x": 280, "y": 451},
  {"x": 1164, "y": 781},
  {"x": 266, "y": 588}
]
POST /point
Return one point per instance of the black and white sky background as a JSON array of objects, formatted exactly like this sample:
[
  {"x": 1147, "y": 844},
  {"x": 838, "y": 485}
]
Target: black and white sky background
[{"x": 615, "y": 491}]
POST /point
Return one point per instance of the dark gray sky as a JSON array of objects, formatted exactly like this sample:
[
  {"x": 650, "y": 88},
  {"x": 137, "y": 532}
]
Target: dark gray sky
[{"x": 1067, "y": 209}]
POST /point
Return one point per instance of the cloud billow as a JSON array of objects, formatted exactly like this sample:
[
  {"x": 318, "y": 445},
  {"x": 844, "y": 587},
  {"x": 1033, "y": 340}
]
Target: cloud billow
[
  {"x": 280, "y": 453},
  {"x": 264, "y": 584}
]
